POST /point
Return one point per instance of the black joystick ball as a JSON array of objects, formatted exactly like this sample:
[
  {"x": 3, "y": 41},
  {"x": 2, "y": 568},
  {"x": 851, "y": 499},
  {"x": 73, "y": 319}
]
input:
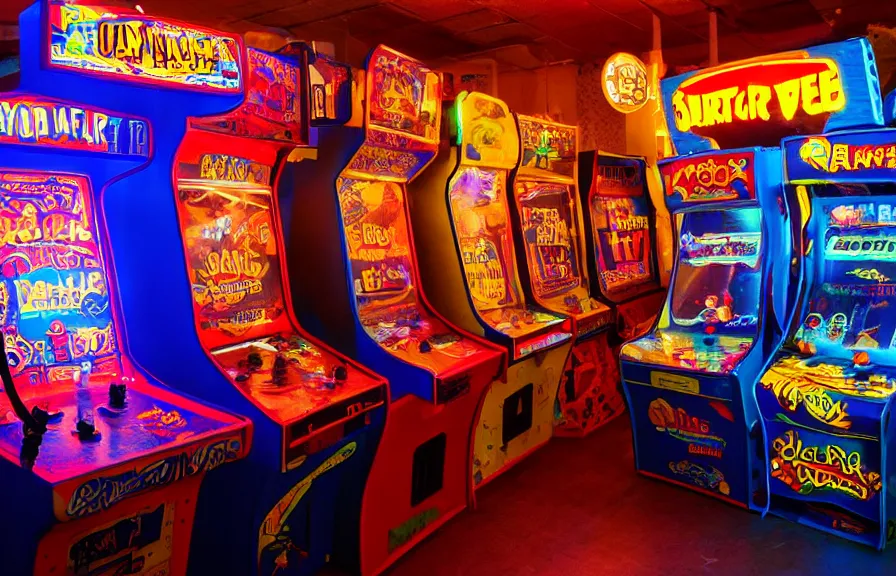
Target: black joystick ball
[
  {"x": 254, "y": 360},
  {"x": 86, "y": 430},
  {"x": 41, "y": 415},
  {"x": 425, "y": 346},
  {"x": 340, "y": 373},
  {"x": 118, "y": 395}
]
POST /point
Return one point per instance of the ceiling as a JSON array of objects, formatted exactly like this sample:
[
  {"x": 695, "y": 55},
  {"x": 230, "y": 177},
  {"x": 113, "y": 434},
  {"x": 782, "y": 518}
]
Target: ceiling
[{"x": 522, "y": 34}]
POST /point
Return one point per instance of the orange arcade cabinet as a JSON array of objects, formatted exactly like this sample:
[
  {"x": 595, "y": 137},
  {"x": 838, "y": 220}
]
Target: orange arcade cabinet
[
  {"x": 547, "y": 208},
  {"x": 462, "y": 223},
  {"x": 359, "y": 290},
  {"x": 100, "y": 463}
]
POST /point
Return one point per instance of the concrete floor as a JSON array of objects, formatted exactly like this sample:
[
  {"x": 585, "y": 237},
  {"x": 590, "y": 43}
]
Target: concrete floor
[{"x": 577, "y": 508}]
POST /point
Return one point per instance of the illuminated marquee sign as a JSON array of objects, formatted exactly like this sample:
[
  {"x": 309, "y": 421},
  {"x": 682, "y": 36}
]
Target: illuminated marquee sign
[
  {"x": 862, "y": 156},
  {"x": 93, "y": 39},
  {"x": 758, "y": 102},
  {"x": 547, "y": 145},
  {"x": 623, "y": 179},
  {"x": 715, "y": 178},
  {"x": 38, "y": 121},
  {"x": 829, "y": 468}
]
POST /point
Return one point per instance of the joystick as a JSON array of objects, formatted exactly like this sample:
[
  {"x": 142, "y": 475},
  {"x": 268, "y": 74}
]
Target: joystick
[
  {"x": 118, "y": 395},
  {"x": 425, "y": 347},
  {"x": 254, "y": 361},
  {"x": 278, "y": 374},
  {"x": 86, "y": 430},
  {"x": 340, "y": 374}
]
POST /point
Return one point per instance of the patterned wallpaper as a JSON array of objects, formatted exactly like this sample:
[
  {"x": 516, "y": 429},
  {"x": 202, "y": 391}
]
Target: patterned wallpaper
[{"x": 600, "y": 127}]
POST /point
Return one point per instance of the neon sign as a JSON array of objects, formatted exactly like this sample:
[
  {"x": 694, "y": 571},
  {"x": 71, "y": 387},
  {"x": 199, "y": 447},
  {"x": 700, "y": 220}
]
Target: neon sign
[
  {"x": 764, "y": 96},
  {"x": 625, "y": 82},
  {"x": 41, "y": 122},
  {"x": 716, "y": 178},
  {"x": 681, "y": 426},
  {"x": 808, "y": 468},
  {"x": 91, "y": 38}
]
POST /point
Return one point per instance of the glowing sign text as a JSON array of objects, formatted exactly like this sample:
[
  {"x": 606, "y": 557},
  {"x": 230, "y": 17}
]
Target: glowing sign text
[
  {"x": 755, "y": 91},
  {"x": 25, "y": 120},
  {"x": 94, "y": 39},
  {"x": 713, "y": 179},
  {"x": 857, "y": 247},
  {"x": 821, "y": 155}
]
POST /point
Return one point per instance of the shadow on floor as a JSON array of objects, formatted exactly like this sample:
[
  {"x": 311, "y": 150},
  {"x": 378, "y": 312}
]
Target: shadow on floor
[{"x": 577, "y": 508}]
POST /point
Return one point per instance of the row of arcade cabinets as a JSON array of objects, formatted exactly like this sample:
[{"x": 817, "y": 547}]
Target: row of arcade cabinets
[
  {"x": 221, "y": 226},
  {"x": 408, "y": 221},
  {"x": 768, "y": 378}
]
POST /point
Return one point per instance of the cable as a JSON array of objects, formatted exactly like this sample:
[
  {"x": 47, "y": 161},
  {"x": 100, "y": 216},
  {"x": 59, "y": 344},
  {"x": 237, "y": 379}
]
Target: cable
[{"x": 34, "y": 424}]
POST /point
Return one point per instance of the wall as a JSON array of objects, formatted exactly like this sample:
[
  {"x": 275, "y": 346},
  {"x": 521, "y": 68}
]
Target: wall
[
  {"x": 550, "y": 90},
  {"x": 600, "y": 126}
]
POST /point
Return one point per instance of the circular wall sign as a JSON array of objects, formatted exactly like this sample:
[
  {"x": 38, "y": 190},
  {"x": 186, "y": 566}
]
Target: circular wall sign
[{"x": 625, "y": 83}]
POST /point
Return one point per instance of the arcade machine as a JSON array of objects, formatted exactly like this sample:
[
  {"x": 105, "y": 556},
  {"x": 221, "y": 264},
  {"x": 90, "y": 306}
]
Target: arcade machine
[
  {"x": 620, "y": 236},
  {"x": 349, "y": 227},
  {"x": 827, "y": 396},
  {"x": 545, "y": 205},
  {"x": 461, "y": 215},
  {"x": 102, "y": 474},
  {"x": 319, "y": 415},
  {"x": 689, "y": 380}
]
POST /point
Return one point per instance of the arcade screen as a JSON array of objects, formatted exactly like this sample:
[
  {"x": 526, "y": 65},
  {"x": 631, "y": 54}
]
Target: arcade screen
[
  {"x": 478, "y": 199},
  {"x": 54, "y": 297},
  {"x": 851, "y": 301},
  {"x": 57, "y": 319},
  {"x": 620, "y": 213},
  {"x": 548, "y": 217},
  {"x": 233, "y": 257},
  {"x": 384, "y": 277},
  {"x": 715, "y": 296}
]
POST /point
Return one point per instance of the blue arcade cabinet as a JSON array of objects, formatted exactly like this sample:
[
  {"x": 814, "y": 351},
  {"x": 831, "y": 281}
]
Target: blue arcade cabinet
[
  {"x": 827, "y": 397},
  {"x": 101, "y": 463},
  {"x": 689, "y": 381},
  {"x": 196, "y": 241}
]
